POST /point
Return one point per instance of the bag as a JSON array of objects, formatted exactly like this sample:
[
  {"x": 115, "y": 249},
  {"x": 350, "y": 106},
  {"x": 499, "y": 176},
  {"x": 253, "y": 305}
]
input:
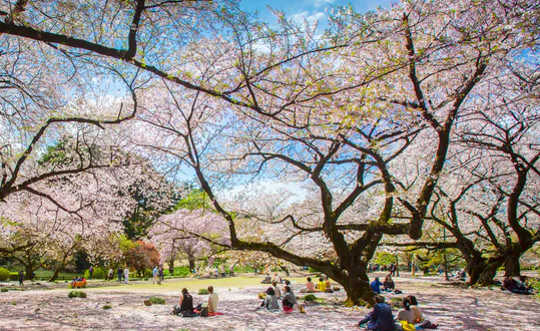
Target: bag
[
  {"x": 406, "y": 326},
  {"x": 204, "y": 312},
  {"x": 176, "y": 310}
]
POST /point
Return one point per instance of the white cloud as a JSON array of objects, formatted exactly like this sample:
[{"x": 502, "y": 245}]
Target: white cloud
[
  {"x": 319, "y": 3},
  {"x": 305, "y": 16}
]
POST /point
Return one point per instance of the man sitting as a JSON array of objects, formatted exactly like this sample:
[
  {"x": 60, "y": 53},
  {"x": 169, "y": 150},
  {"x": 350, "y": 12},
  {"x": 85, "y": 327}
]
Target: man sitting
[
  {"x": 212, "y": 301},
  {"x": 380, "y": 319},
  {"x": 376, "y": 285}
]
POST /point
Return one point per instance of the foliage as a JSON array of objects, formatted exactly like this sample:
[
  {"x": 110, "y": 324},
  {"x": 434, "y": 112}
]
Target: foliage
[
  {"x": 4, "y": 274},
  {"x": 99, "y": 273},
  {"x": 203, "y": 291},
  {"x": 310, "y": 297},
  {"x": 106, "y": 307},
  {"x": 182, "y": 271},
  {"x": 142, "y": 255},
  {"x": 157, "y": 300},
  {"x": 384, "y": 258},
  {"x": 77, "y": 294},
  {"x": 4, "y": 290}
]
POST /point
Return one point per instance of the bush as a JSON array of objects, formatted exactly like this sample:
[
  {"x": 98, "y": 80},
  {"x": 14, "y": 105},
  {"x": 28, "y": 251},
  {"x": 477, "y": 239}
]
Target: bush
[
  {"x": 203, "y": 291},
  {"x": 99, "y": 273},
  {"x": 4, "y": 290},
  {"x": 310, "y": 298},
  {"x": 13, "y": 275},
  {"x": 105, "y": 307},
  {"x": 77, "y": 294},
  {"x": 4, "y": 274},
  {"x": 157, "y": 300}
]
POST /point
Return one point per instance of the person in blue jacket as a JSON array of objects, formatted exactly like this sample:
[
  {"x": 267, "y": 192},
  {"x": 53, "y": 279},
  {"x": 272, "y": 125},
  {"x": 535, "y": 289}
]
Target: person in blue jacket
[
  {"x": 376, "y": 285},
  {"x": 381, "y": 318}
]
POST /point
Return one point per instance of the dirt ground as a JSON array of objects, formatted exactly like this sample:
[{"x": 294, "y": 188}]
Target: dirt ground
[{"x": 452, "y": 307}]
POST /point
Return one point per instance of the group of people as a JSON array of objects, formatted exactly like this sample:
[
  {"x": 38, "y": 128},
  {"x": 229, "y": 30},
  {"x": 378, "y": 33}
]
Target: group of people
[
  {"x": 185, "y": 306},
  {"x": 323, "y": 285},
  {"x": 274, "y": 294},
  {"x": 517, "y": 286},
  {"x": 388, "y": 285},
  {"x": 157, "y": 275},
  {"x": 410, "y": 317}
]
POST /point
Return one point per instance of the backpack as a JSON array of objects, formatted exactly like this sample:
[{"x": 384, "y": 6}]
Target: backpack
[{"x": 204, "y": 312}]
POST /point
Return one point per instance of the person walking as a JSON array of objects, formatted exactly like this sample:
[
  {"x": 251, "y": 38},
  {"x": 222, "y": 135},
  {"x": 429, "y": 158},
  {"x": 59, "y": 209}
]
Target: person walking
[
  {"x": 120, "y": 273},
  {"x": 21, "y": 278},
  {"x": 161, "y": 275},
  {"x": 155, "y": 275},
  {"x": 90, "y": 272},
  {"x": 126, "y": 275}
]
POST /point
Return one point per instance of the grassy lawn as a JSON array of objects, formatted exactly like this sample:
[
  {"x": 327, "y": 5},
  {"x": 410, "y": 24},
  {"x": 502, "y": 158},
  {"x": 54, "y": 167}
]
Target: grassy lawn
[{"x": 192, "y": 284}]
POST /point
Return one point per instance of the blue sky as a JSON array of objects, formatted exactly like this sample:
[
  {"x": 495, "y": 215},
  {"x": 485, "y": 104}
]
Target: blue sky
[{"x": 309, "y": 9}]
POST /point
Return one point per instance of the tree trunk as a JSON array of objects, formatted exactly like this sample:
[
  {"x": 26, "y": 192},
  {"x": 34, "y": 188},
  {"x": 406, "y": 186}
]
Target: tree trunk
[
  {"x": 171, "y": 265},
  {"x": 511, "y": 265},
  {"x": 55, "y": 274},
  {"x": 489, "y": 272},
  {"x": 29, "y": 271},
  {"x": 358, "y": 290},
  {"x": 191, "y": 260}
]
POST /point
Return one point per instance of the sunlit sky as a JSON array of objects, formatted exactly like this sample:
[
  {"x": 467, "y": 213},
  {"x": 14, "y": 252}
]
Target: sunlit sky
[{"x": 308, "y": 9}]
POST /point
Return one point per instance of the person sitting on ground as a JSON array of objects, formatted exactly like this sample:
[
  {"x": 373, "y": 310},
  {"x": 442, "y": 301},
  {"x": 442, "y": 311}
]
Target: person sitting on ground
[
  {"x": 289, "y": 300},
  {"x": 376, "y": 285},
  {"x": 310, "y": 287},
  {"x": 328, "y": 285},
  {"x": 277, "y": 291},
  {"x": 276, "y": 278},
  {"x": 212, "y": 300},
  {"x": 321, "y": 285},
  {"x": 380, "y": 318},
  {"x": 185, "y": 304},
  {"x": 267, "y": 279},
  {"x": 524, "y": 284},
  {"x": 270, "y": 301},
  {"x": 413, "y": 315},
  {"x": 388, "y": 283},
  {"x": 513, "y": 286}
]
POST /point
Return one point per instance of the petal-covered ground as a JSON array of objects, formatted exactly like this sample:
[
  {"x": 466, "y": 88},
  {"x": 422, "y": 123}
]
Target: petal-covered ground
[{"x": 453, "y": 308}]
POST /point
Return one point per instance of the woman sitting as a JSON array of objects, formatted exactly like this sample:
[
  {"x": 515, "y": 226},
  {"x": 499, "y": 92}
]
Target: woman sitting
[
  {"x": 270, "y": 301},
  {"x": 388, "y": 283},
  {"x": 310, "y": 287},
  {"x": 412, "y": 314},
  {"x": 185, "y": 305},
  {"x": 321, "y": 285},
  {"x": 289, "y": 300}
]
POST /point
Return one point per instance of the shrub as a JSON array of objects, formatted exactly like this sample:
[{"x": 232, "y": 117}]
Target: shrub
[
  {"x": 99, "y": 273},
  {"x": 157, "y": 300},
  {"x": 4, "y": 290},
  {"x": 147, "y": 302},
  {"x": 310, "y": 298},
  {"x": 107, "y": 307},
  {"x": 77, "y": 294},
  {"x": 203, "y": 291},
  {"x": 4, "y": 274}
]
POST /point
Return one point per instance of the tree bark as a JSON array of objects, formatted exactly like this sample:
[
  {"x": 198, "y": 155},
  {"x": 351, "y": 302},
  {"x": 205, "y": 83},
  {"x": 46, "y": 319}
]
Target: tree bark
[
  {"x": 171, "y": 265},
  {"x": 191, "y": 260},
  {"x": 511, "y": 265},
  {"x": 358, "y": 290}
]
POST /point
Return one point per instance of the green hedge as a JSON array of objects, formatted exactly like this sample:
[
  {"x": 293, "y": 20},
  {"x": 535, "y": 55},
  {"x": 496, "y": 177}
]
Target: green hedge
[
  {"x": 4, "y": 274},
  {"x": 99, "y": 273}
]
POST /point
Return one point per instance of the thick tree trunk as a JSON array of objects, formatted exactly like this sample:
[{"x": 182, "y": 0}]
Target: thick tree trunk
[
  {"x": 171, "y": 265},
  {"x": 55, "y": 274},
  {"x": 474, "y": 268},
  {"x": 489, "y": 272},
  {"x": 358, "y": 290},
  {"x": 29, "y": 271},
  {"x": 191, "y": 260},
  {"x": 511, "y": 265}
]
